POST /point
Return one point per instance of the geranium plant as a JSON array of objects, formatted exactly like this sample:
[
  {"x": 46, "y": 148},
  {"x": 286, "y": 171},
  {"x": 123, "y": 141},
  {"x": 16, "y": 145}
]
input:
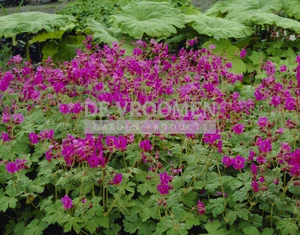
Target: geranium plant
[{"x": 241, "y": 179}]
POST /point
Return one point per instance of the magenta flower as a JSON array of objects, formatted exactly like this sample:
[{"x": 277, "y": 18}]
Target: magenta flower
[
  {"x": 260, "y": 159},
  {"x": 290, "y": 103},
  {"x": 117, "y": 179},
  {"x": 110, "y": 140},
  {"x": 34, "y": 138},
  {"x": 192, "y": 42},
  {"x": 211, "y": 138},
  {"x": 17, "y": 59},
  {"x": 295, "y": 169},
  {"x": 20, "y": 163},
  {"x": 261, "y": 179},
  {"x": 5, "y": 82},
  {"x": 265, "y": 146},
  {"x": 5, "y": 137},
  {"x": 137, "y": 51},
  {"x": 11, "y": 167},
  {"x": 229, "y": 65},
  {"x": 227, "y": 161},
  {"x": 201, "y": 208},
  {"x": 77, "y": 108},
  {"x": 93, "y": 161},
  {"x": 220, "y": 145},
  {"x": 238, "y": 129},
  {"x": 252, "y": 154},
  {"x": 99, "y": 86},
  {"x": 164, "y": 186},
  {"x": 212, "y": 46},
  {"x": 49, "y": 155},
  {"x": 243, "y": 53},
  {"x": 263, "y": 121},
  {"x": 279, "y": 131},
  {"x": 64, "y": 108},
  {"x": 3, "y": 85},
  {"x": 18, "y": 118},
  {"x": 103, "y": 160},
  {"x": 6, "y": 118},
  {"x": 275, "y": 100},
  {"x": 46, "y": 134},
  {"x": 164, "y": 177},
  {"x": 253, "y": 169},
  {"x": 285, "y": 147},
  {"x": 67, "y": 202},
  {"x": 146, "y": 145},
  {"x": 282, "y": 68},
  {"x": 163, "y": 189},
  {"x": 239, "y": 162},
  {"x": 121, "y": 142},
  {"x": 255, "y": 185}
]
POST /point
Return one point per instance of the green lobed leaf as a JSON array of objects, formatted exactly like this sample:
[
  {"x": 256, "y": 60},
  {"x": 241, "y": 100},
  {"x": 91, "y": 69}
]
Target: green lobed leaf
[
  {"x": 268, "y": 231},
  {"x": 19, "y": 228},
  {"x": 133, "y": 223},
  {"x": 147, "y": 208},
  {"x": 287, "y": 226},
  {"x": 214, "y": 228},
  {"x": 241, "y": 10},
  {"x": 275, "y": 20},
  {"x": 251, "y": 231},
  {"x": 64, "y": 50},
  {"x": 31, "y": 22},
  {"x": 292, "y": 8},
  {"x": 156, "y": 19},
  {"x": 216, "y": 206},
  {"x": 36, "y": 227},
  {"x": 42, "y": 37},
  {"x": 101, "y": 33},
  {"x": 218, "y": 27},
  {"x": 189, "y": 198},
  {"x": 114, "y": 229},
  {"x": 76, "y": 223}
]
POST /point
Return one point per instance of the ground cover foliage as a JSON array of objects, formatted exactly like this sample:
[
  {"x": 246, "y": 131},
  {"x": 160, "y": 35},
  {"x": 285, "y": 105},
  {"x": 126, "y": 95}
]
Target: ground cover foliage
[{"x": 244, "y": 179}]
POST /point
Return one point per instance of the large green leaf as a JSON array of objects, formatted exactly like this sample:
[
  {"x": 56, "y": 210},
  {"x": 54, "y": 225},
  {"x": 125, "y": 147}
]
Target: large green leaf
[
  {"x": 101, "y": 33},
  {"x": 156, "y": 19},
  {"x": 272, "y": 19},
  {"x": 57, "y": 34},
  {"x": 292, "y": 8},
  {"x": 31, "y": 22},
  {"x": 242, "y": 10},
  {"x": 219, "y": 27},
  {"x": 65, "y": 50}
]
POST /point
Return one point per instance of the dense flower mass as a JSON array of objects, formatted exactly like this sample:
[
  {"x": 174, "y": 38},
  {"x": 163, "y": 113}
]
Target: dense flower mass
[{"x": 252, "y": 157}]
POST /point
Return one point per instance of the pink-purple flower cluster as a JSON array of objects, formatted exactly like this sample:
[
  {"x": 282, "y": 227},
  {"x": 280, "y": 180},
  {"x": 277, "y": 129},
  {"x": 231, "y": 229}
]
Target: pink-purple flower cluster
[
  {"x": 67, "y": 202},
  {"x": 238, "y": 162},
  {"x": 14, "y": 166},
  {"x": 164, "y": 186}
]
